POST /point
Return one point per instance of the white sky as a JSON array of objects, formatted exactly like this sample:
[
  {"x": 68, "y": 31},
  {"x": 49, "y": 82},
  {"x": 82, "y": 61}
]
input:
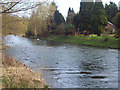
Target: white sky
[{"x": 63, "y": 5}]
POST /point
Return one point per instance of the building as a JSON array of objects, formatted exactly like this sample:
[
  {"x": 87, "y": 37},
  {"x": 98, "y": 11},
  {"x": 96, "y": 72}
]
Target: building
[
  {"x": 110, "y": 28},
  {"x": 119, "y": 5}
]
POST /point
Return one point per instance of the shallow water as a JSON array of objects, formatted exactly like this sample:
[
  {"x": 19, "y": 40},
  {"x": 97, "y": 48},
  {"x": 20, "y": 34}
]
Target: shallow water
[{"x": 65, "y": 65}]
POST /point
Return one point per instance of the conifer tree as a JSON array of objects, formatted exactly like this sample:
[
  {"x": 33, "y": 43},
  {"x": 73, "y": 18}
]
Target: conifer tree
[
  {"x": 70, "y": 16},
  {"x": 111, "y": 11},
  {"x": 76, "y": 21},
  {"x": 59, "y": 19},
  {"x": 85, "y": 14},
  {"x": 117, "y": 23},
  {"x": 98, "y": 19}
]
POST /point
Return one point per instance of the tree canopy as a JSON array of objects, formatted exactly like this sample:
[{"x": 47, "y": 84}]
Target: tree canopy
[
  {"x": 117, "y": 22},
  {"x": 85, "y": 15},
  {"x": 70, "y": 16},
  {"x": 98, "y": 19},
  {"x": 111, "y": 11},
  {"x": 76, "y": 21},
  {"x": 58, "y": 18},
  {"x": 45, "y": 17}
]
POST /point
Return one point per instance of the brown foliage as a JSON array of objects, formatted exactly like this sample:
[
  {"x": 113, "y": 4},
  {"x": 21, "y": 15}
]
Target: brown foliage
[{"x": 19, "y": 75}]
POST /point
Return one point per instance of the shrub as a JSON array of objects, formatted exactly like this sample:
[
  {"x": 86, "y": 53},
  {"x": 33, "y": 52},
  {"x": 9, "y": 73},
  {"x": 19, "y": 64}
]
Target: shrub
[
  {"x": 28, "y": 33},
  {"x": 69, "y": 29},
  {"x": 44, "y": 34}
]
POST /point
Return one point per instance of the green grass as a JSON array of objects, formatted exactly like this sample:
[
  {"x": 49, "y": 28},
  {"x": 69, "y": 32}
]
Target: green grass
[
  {"x": 10, "y": 82},
  {"x": 46, "y": 86},
  {"x": 90, "y": 40}
]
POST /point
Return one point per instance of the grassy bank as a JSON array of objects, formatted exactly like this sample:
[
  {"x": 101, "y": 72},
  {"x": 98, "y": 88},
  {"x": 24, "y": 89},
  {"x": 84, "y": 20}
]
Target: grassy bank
[
  {"x": 91, "y": 40},
  {"x": 17, "y": 75}
]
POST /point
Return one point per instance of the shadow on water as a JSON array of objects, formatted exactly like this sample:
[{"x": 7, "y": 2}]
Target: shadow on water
[
  {"x": 64, "y": 65},
  {"x": 93, "y": 66},
  {"x": 46, "y": 43}
]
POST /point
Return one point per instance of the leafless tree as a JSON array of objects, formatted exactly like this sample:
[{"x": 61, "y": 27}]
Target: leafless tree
[{"x": 20, "y": 5}]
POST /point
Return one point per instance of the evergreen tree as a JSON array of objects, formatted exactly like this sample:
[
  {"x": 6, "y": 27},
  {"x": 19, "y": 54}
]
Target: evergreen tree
[
  {"x": 70, "y": 16},
  {"x": 76, "y": 21},
  {"x": 59, "y": 19},
  {"x": 69, "y": 10},
  {"x": 117, "y": 23},
  {"x": 111, "y": 11},
  {"x": 98, "y": 19},
  {"x": 85, "y": 14},
  {"x": 72, "y": 10}
]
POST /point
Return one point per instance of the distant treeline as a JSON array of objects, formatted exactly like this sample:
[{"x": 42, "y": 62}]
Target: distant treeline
[
  {"x": 92, "y": 18},
  {"x": 46, "y": 19}
]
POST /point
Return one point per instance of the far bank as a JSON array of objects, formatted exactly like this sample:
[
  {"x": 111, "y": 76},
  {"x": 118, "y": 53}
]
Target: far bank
[{"x": 91, "y": 40}]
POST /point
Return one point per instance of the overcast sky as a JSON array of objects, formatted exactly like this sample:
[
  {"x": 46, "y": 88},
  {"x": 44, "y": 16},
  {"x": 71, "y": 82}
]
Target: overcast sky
[{"x": 63, "y": 5}]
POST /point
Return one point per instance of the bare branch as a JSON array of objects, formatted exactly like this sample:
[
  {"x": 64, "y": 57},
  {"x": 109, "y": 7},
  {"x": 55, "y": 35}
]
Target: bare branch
[
  {"x": 10, "y": 7},
  {"x": 23, "y": 9},
  {"x": 25, "y": 6}
]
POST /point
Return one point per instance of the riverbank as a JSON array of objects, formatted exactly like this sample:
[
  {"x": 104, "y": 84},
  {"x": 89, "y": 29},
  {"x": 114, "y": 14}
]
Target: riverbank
[
  {"x": 17, "y": 75},
  {"x": 91, "y": 40},
  {"x": 62, "y": 63}
]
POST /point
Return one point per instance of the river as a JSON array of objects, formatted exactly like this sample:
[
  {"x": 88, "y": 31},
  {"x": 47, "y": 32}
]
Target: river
[{"x": 66, "y": 65}]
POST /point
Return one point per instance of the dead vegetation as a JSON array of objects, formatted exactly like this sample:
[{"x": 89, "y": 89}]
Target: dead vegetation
[{"x": 17, "y": 75}]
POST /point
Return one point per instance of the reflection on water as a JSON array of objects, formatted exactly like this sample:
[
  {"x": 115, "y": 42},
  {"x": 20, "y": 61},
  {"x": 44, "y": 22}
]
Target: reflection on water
[{"x": 67, "y": 66}]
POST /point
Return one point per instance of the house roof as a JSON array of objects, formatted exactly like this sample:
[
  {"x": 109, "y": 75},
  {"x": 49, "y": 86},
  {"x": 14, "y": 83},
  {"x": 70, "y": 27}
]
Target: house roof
[{"x": 110, "y": 23}]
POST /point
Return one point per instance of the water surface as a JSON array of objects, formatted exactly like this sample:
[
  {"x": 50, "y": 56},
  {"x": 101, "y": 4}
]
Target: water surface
[{"x": 65, "y": 65}]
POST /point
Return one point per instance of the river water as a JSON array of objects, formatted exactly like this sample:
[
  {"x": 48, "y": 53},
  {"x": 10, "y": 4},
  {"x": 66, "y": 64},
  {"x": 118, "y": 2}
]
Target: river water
[{"x": 65, "y": 65}]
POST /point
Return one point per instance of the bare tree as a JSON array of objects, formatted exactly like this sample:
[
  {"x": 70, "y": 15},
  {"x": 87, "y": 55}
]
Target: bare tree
[{"x": 13, "y": 7}]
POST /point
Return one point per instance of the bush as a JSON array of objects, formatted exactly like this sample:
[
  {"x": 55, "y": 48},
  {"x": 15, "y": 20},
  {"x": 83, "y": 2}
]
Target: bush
[
  {"x": 63, "y": 29},
  {"x": 33, "y": 37},
  {"x": 28, "y": 33},
  {"x": 60, "y": 29},
  {"x": 44, "y": 34},
  {"x": 69, "y": 29}
]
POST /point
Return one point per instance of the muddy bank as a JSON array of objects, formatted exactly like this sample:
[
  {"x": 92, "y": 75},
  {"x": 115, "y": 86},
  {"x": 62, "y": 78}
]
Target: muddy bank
[{"x": 17, "y": 75}]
